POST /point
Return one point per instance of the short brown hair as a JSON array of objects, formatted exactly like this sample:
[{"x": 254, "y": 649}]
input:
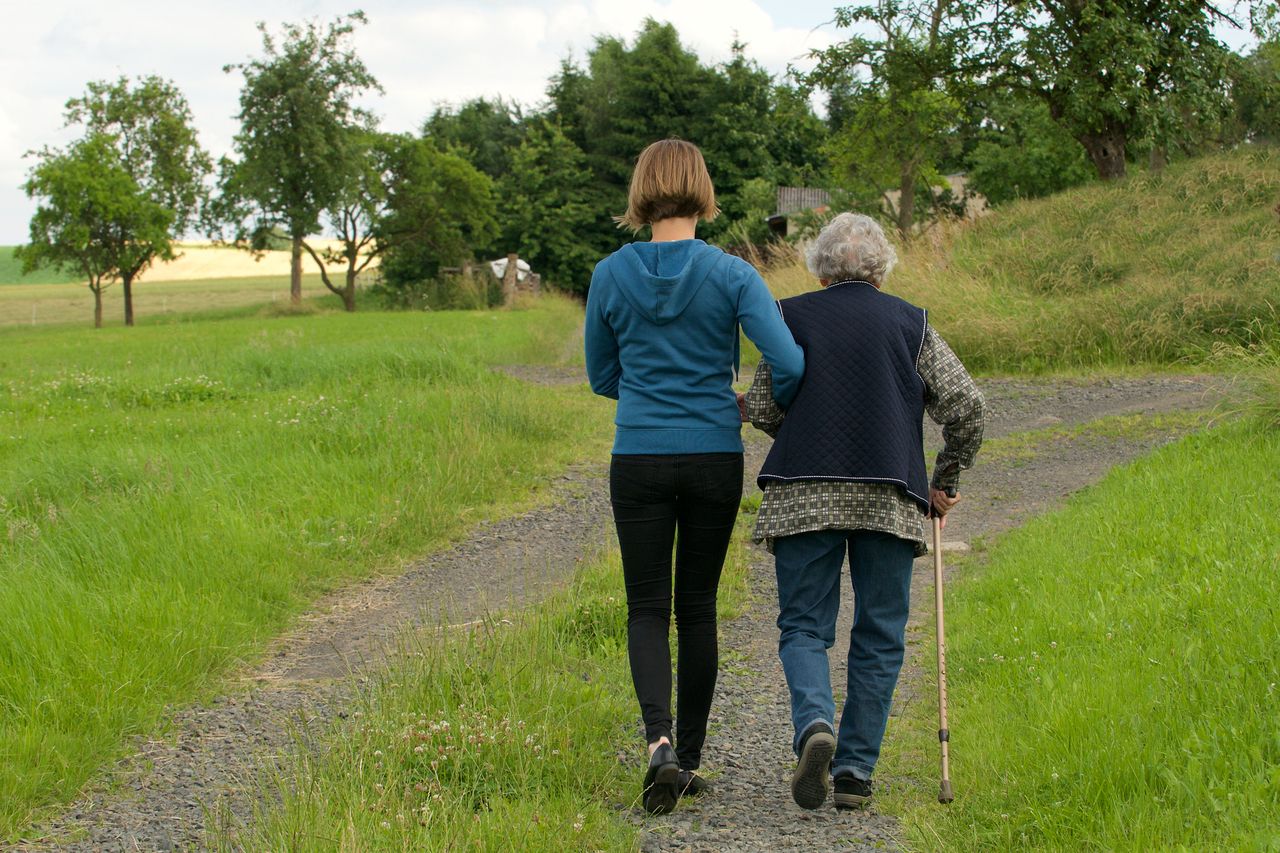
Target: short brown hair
[{"x": 670, "y": 181}]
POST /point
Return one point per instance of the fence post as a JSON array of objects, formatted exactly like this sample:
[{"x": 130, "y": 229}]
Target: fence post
[{"x": 509, "y": 279}]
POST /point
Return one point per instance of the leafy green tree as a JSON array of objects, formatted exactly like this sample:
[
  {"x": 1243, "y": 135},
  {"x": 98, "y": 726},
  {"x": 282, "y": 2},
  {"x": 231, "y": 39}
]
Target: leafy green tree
[
  {"x": 149, "y": 127},
  {"x": 438, "y": 208},
  {"x": 1021, "y": 152},
  {"x": 356, "y": 215},
  {"x": 899, "y": 90},
  {"x": 545, "y": 206},
  {"x": 302, "y": 138},
  {"x": 1255, "y": 93},
  {"x": 487, "y": 131},
  {"x": 1116, "y": 72},
  {"x": 627, "y": 95},
  {"x": 92, "y": 217}
]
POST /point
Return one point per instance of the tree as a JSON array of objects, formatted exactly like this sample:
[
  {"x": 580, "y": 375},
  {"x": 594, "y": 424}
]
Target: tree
[
  {"x": 545, "y": 201},
  {"x": 750, "y": 127},
  {"x": 438, "y": 208},
  {"x": 899, "y": 93},
  {"x": 145, "y": 131},
  {"x": 356, "y": 215},
  {"x": 148, "y": 129},
  {"x": 93, "y": 217},
  {"x": 301, "y": 140},
  {"x": 1255, "y": 93},
  {"x": 1113, "y": 72},
  {"x": 1021, "y": 152},
  {"x": 487, "y": 131}
]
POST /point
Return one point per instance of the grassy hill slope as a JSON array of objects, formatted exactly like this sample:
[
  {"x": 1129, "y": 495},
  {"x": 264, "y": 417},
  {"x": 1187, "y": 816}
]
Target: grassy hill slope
[{"x": 1152, "y": 269}]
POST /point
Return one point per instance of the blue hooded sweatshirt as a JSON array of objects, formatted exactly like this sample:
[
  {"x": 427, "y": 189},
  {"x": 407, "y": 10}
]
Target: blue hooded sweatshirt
[{"x": 662, "y": 339}]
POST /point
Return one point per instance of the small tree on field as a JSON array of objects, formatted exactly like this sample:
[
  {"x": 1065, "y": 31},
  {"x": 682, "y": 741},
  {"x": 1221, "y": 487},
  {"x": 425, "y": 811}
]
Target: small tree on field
[
  {"x": 356, "y": 215},
  {"x": 140, "y": 144},
  {"x": 301, "y": 143},
  {"x": 141, "y": 141},
  {"x": 93, "y": 218}
]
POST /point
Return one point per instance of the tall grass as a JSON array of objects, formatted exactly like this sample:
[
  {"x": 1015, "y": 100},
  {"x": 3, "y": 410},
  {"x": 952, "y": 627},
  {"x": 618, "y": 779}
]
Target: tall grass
[
  {"x": 171, "y": 494},
  {"x": 1113, "y": 668},
  {"x": 1152, "y": 269}
]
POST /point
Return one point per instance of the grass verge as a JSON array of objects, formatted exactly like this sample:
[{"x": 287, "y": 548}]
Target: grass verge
[
  {"x": 1113, "y": 670},
  {"x": 505, "y": 738},
  {"x": 171, "y": 494}
]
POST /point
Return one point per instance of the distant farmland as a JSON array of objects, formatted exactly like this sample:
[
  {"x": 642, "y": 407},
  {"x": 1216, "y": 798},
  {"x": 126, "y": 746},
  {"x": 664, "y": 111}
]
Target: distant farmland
[
  {"x": 204, "y": 278},
  {"x": 45, "y": 304}
]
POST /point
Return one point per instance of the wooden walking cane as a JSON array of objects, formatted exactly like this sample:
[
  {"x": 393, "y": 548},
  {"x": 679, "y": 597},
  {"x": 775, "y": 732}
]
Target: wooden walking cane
[{"x": 944, "y": 736}]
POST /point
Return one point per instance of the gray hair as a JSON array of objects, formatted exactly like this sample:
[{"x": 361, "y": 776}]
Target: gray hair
[{"x": 851, "y": 246}]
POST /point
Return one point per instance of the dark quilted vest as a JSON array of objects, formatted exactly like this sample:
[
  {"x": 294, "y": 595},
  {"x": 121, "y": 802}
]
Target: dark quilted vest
[{"x": 859, "y": 415}]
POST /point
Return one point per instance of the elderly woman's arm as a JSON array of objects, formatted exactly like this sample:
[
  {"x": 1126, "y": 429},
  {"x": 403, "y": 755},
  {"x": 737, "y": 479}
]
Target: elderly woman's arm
[
  {"x": 953, "y": 400},
  {"x": 762, "y": 410}
]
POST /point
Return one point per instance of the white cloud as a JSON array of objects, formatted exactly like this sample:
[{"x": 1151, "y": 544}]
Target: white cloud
[{"x": 424, "y": 54}]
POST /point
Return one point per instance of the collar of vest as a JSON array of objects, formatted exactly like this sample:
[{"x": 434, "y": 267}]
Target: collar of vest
[{"x": 849, "y": 281}]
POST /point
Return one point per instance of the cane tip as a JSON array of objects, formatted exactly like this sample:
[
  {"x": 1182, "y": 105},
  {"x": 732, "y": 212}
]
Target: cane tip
[{"x": 944, "y": 795}]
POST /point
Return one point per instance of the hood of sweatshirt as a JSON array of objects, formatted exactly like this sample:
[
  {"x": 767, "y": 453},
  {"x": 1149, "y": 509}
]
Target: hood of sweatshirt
[{"x": 659, "y": 280}]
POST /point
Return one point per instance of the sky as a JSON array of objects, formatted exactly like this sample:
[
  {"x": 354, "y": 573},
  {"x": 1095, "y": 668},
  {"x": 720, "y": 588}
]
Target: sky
[{"x": 424, "y": 54}]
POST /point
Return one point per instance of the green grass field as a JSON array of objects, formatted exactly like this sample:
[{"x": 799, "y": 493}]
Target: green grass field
[
  {"x": 1154, "y": 269},
  {"x": 161, "y": 301},
  {"x": 171, "y": 494},
  {"x": 11, "y": 272},
  {"x": 1114, "y": 679}
]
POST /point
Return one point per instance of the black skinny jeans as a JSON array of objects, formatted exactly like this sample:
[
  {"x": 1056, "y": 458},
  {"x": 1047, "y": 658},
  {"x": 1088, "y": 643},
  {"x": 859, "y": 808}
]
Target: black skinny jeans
[{"x": 690, "y": 502}]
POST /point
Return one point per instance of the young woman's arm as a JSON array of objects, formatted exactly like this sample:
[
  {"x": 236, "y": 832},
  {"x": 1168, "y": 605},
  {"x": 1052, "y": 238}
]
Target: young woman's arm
[
  {"x": 761, "y": 320},
  {"x": 603, "y": 368}
]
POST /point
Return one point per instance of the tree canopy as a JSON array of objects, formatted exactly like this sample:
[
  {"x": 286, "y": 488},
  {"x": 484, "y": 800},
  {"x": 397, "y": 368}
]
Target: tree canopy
[
  {"x": 118, "y": 198},
  {"x": 301, "y": 138}
]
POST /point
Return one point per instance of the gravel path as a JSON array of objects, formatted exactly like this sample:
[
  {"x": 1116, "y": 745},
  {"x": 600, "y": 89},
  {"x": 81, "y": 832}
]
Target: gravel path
[{"x": 165, "y": 795}]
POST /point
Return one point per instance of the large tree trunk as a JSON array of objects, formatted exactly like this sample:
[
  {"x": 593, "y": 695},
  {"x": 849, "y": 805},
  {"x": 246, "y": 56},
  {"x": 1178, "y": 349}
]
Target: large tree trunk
[
  {"x": 1106, "y": 149},
  {"x": 906, "y": 201},
  {"x": 126, "y": 282},
  {"x": 295, "y": 272},
  {"x": 97, "y": 307}
]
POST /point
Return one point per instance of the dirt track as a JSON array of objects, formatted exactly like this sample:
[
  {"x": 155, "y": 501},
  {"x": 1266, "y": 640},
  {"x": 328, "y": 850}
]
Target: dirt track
[{"x": 161, "y": 798}]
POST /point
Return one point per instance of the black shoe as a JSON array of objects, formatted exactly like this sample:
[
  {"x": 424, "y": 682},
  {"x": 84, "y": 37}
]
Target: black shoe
[
  {"x": 691, "y": 784},
  {"x": 809, "y": 784},
  {"x": 660, "y": 781},
  {"x": 851, "y": 792}
]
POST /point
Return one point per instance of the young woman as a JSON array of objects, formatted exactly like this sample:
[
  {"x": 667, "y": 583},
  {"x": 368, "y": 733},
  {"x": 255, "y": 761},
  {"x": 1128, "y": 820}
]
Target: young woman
[{"x": 662, "y": 339}]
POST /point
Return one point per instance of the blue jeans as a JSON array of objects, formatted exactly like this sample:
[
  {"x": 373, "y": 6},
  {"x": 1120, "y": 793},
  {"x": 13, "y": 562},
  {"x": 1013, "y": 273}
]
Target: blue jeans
[{"x": 808, "y": 567}]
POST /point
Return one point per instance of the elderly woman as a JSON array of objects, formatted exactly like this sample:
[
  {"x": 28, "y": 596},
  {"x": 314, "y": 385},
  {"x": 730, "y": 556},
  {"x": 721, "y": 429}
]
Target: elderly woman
[{"x": 847, "y": 472}]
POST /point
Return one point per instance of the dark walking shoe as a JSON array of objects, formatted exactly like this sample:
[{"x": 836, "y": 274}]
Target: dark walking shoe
[
  {"x": 660, "y": 781},
  {"x": 809, "y": 784},
  {"x": 851, "y": 792},
  {"x": 691, "y": 784}
]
